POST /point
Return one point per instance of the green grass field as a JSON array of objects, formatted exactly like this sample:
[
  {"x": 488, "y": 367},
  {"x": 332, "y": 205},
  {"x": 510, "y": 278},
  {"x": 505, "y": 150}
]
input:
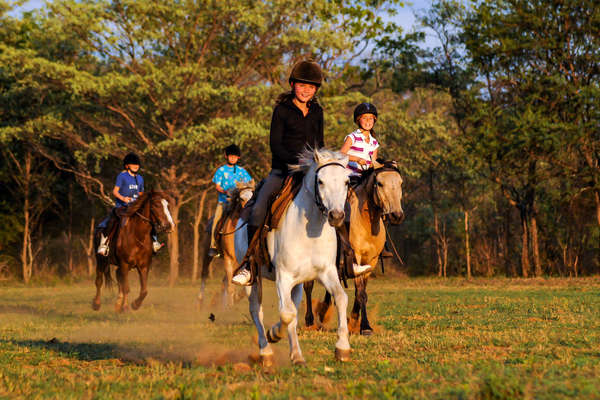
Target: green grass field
[{"x": 485, "y": 339}]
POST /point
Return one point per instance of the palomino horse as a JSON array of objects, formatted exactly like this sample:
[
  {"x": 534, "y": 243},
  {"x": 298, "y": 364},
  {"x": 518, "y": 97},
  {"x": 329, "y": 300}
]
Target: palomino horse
[
  {"x": 303, "y": 248},
  {"x": 132, "y": 246},
  {"x": 239, "y": 197},
  {"x": 378, "y": 194}
]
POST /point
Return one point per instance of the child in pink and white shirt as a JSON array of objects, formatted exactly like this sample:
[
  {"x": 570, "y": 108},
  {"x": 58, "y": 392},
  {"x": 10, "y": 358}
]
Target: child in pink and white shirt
[{"x": 360, "y": 145}]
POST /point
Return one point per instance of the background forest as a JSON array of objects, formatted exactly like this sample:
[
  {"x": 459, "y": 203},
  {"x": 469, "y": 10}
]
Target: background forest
[{"x": 496, "y": 130}]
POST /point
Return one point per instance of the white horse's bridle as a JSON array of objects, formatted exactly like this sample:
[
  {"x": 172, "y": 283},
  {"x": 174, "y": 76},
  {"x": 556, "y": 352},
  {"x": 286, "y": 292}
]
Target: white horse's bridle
[{"x": 318, "y": 199}]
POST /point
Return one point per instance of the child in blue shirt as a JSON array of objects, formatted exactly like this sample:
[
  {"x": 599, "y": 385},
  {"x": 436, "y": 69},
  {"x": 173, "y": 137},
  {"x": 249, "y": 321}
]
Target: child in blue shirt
[
  {"x": 128, "y": 187},
  {"x": 225, "y": 179}
]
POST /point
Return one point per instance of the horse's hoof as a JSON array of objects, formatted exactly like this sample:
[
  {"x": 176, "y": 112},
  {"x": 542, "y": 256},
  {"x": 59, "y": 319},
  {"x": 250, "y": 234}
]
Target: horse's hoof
[
  {"x": 313, "y": 327},
  {"x": 272, "y": 337},
  {"x": 135, "y": 305},
  {"x": 267, "y": 360},
  {"x": 366, "y": 332},
  {"x": 299, "y": 361},
  {"x": 342, "y": 354},
  {"x": 95, "y": 306}
]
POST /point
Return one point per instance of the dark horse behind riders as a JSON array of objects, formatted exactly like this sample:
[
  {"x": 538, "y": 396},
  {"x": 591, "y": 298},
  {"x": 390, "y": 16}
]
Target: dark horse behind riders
[{"x": 131, "y": 247}]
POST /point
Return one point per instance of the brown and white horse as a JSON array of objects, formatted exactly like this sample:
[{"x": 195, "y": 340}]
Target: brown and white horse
[
  {"x": 239, "y": 196},
  {"x": 377, "y": 196},
  {"x": 131, "y": 247}
]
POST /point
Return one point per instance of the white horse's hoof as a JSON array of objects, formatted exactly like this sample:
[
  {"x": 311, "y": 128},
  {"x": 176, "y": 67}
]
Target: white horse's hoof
[
  {"x": 342, "y": 354},
  {"x": 266, "y": 360},
  {"x": 272, "y": 337}
]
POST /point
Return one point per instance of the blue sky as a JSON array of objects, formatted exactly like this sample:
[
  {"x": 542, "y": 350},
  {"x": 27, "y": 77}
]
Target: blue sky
[{"x": 405, "y": 17}]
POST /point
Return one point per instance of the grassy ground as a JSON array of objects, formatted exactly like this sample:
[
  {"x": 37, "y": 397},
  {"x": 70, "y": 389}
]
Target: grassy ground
[{"x": 487, "y": 339}]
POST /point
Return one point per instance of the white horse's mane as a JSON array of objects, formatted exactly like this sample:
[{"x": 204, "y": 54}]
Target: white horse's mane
[{"x": 311, "y": 157}]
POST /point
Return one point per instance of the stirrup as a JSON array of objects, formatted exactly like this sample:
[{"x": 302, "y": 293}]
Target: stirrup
[
  {"x": 360, "y": 269},
  {"x": 242, "y": 278}
]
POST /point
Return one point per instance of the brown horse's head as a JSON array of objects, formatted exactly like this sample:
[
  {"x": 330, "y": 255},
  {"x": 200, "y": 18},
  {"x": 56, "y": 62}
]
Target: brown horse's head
[
  {"x": 385, "y": 188},
  {"x": 154, "y": 207}
]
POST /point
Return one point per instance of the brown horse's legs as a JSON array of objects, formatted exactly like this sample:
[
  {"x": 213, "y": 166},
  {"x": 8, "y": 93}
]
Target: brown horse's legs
[
  {"x": 322, "y": 311},
  {"x": 309, "y": 318},
  {"x": 100, "y": 266},
  {"x": 143, "y": 273},
  {"x": 122, "y": 273},
  {"x": 361, "y": 297},
  {"x": 228, "y": 289},
  {"x": 206, "y": 260}
]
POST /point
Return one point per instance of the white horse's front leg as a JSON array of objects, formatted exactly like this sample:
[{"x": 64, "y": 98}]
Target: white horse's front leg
[
  {"x": 256, "y": 311},
  {"x": 330, "y": 280},
  {"x": 295, "y": 352},
  {"x": 287, "y": 318}
]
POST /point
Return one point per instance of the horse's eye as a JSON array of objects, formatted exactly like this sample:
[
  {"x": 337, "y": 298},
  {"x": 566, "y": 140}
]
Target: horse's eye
[
  {"x": 320, "y": 182},
  {"x": 379, "y": 184}
]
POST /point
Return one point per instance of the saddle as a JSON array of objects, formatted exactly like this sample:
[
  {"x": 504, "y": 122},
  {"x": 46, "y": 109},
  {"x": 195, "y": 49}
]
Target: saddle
[{"x": 257, "y": 253}]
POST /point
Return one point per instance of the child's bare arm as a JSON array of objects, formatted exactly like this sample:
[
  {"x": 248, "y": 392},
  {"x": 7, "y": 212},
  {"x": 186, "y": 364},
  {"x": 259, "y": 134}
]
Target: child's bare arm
[
  {"x": 346, "y": 147},
  {"x": 118, "y": 195}
]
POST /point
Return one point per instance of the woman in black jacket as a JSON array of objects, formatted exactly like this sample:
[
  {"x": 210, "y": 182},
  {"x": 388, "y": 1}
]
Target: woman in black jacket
[{"x": 297, "y": 122}]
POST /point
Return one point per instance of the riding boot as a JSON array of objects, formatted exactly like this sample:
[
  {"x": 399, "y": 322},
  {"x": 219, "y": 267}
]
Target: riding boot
[{"x": 244, "y": 276}]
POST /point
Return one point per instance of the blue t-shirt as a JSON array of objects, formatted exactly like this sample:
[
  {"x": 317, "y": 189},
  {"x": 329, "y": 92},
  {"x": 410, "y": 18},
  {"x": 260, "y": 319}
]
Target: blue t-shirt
[
  {"x": 129, "y": 186},
  {"x": 226, "y": 177}
]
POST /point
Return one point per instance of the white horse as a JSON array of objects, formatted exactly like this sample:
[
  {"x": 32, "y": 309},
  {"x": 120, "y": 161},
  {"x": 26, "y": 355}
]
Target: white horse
[{"x": 302, "y": 248}]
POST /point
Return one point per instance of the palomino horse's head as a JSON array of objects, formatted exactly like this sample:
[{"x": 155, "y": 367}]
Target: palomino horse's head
[
  {"x": 242, "y": 192},
  {"x": 385, "y": 187},
  {"x": 160, "y": 215},
  {"x": 326, "y": 179}
]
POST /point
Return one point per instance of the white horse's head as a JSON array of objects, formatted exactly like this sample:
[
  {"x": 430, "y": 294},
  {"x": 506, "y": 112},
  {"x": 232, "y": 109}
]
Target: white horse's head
[{"x": 326, "y": 178}]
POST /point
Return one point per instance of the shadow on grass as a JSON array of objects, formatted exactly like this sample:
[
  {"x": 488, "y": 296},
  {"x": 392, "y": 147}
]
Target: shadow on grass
[
  {"x": 80, "y": 351},
  {"x": 135, "y": 355}
]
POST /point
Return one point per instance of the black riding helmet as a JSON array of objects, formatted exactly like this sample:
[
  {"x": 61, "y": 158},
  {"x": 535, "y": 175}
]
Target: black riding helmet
[
  {"x": 307, "y": 71},
  {"x": 233, "y": 150},
  {"x": 131, "y": 158},
  {"x": 364, "y": 108}
]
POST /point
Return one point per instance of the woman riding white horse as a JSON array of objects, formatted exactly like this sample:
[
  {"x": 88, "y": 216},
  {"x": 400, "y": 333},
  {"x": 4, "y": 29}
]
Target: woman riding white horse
[{"x": 302, "y": 248}]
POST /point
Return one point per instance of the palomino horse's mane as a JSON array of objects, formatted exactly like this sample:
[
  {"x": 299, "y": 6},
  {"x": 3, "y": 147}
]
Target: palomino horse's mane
[
  {"x": 366, "y": 174},
  {"x": 308, "y": 158},
  {"x": 136, "y": 206}
]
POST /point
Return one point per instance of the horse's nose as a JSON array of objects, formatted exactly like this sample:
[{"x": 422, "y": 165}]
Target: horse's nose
[
  {"x": 397, "y": 217},
  {"x": 335, "y": 217}
]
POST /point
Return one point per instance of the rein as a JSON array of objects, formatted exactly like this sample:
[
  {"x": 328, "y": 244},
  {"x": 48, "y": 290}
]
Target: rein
[
  {"x": 318, "y": 199},
  {"x": 144, "y": 218}
]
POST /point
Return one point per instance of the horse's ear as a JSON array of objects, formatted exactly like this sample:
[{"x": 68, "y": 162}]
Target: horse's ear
[
  {"x": 252, "y": 183},
  {"x": 394, "y": 164},
  {"x": 317, "y": 157},
  {"x": 377, "y": 164}
]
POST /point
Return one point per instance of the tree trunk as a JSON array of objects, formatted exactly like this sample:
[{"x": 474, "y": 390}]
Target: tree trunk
[
  {"x": 597, "y": 198},
  {"x": 524, "y": 245},
  {"x": 26, "y": 253},
  {"x": 467, "y": 246},
  {"x": 438, "y": 252},
  {"x": 89, "y": 249},
  {"x": 197, "y": 220},
  {"x": 70, "y": 231},
  {"x": 535, "y": 244},
  {"x": 174, "y": 246}
]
